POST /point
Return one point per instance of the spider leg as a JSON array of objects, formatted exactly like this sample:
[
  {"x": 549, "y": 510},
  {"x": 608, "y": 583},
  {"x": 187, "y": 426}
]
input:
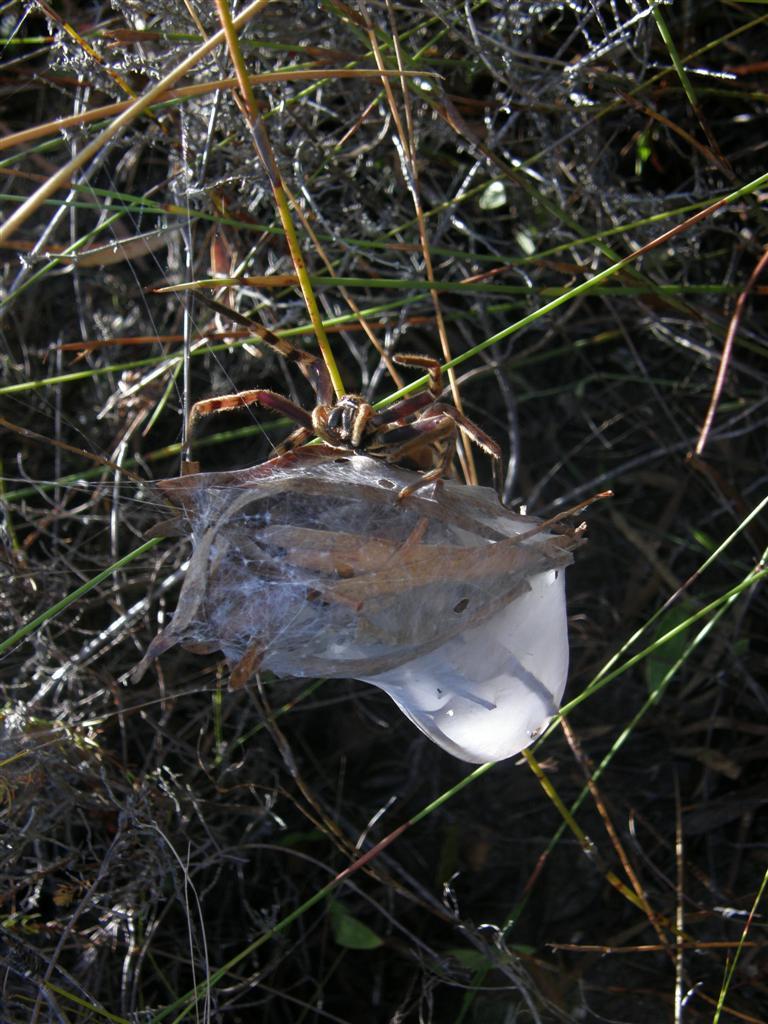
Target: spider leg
[
  {"x": 241, "y": 400},
  {"x": 400, "y": 410},
  {"x": 412, "y": 403},
  {"x": 298, "y": 437},
  {"x": 313, "y": 368},
  {"x": 466, "y": 425},
  {"x": 432, "y": 366},
  {"x": 478, "y": 437},
  {"x": 403, "y": 441},
  {"x": 424, "y": 433},
  {"x": 441, "y": 422}
]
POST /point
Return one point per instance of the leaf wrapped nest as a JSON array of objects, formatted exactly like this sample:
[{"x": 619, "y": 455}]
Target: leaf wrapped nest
[{"x": 310, "y": 565}]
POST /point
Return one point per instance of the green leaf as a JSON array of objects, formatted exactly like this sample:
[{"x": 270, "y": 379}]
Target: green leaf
[
  {"x": 350, "y": 932},
  {"x": 472, "y": 959},
  {"x": 643, "y": 151},
  {"x": 291, "y": 839},
  {"x": 704, "y": 540},
  {"x": 660, "y": 661}
]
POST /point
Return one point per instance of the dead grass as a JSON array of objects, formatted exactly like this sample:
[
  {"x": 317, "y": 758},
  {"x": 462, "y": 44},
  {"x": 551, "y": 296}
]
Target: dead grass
[{"x": 172, "y": 849}]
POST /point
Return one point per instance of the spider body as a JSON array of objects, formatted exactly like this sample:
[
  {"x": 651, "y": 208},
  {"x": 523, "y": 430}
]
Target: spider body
[
  {"x": 419, "y": 429},
  {"x": 343, "y": 424}
]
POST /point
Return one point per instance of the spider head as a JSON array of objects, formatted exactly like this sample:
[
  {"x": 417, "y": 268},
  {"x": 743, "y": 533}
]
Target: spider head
[{"x": 343, "y": 424}]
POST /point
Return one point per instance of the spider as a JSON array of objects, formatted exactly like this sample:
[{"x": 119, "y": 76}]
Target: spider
[{"x": 419, "y": 428}]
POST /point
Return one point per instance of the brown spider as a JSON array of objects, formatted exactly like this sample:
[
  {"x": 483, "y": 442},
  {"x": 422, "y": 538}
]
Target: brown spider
[{"x": 419, "y": 428}]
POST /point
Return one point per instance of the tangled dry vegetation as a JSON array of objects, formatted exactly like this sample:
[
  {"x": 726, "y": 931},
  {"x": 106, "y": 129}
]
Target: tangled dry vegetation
[{"x": 172, "y": 850}]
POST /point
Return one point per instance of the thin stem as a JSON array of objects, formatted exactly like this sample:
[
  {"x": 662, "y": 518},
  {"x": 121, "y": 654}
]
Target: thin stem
[
  {"x": 65, "y": 602},
  {"x": 261, "y": 142}
]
